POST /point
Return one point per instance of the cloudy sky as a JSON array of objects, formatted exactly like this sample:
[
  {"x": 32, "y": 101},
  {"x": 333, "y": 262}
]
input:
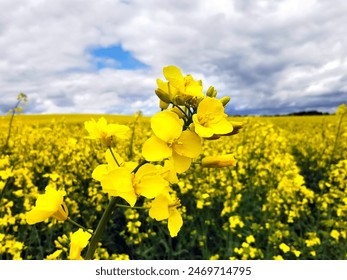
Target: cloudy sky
[{"x": 87, "y": 56}]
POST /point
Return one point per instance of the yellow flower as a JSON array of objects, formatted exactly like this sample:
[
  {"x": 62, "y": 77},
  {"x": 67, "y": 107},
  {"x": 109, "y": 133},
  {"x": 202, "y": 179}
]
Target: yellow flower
[
  {"x": 79, "y": 240},
  {"x": 179, "y": 89},
  {"x": 210, "y": 119},
  {"x": 335, "y": 234},
  {"x": 297, "y": 253},
  {"x": 218, "y": 161},
  {"x": 55, "y": 255},
  {"x": 250, "y": 239},
  {"x": 168, "y": 171},
  {"x": 105, "y": 132},
  {"x": 169, "y": 140},
  {"x": 284, "y": 247},
  {"x": 165, "y": 207},
  {"x": 120, "y": 181},
  {"x": 49, "y": 204}
]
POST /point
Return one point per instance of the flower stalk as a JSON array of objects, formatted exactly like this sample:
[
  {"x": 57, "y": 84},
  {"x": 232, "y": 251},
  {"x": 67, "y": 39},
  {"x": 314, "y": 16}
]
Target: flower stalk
[{"x": 100, "y": 228}]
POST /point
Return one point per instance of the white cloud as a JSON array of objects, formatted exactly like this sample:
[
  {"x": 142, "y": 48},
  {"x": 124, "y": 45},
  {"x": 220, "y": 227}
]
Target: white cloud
[{"x": 270, "y": 56}]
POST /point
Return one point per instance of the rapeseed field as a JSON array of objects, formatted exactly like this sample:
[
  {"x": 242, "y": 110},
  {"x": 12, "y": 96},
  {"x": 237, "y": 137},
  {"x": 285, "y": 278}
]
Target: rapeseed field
[{"x": 187, "y": 183}]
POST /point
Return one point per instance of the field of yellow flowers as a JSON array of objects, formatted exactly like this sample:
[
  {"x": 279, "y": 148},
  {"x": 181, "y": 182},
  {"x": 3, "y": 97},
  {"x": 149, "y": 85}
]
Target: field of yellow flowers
[
  {"x": 284, "y": 199},
  {"x": 187, "y": 183}
]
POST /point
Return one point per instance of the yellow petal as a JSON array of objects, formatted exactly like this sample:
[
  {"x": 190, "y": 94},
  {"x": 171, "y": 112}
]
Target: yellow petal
[
  {"x": 168, "y": 171},
  {"x": 148, "y": 182},
  {"x": 118, "y": 130},
  {"x": 159, "y": 208},
  {"x": 175, "y": 222},
  {"x": 221, "y": 127},
  {"x": 129, "y": 197},
  {"x": 155, "y": 149},
  {"x": 119, "y": 180},
  {"x": 79, "y": 240},
  {"x": 188, "y": 144},
  {"x": 62, "y": 212},
  {"x": 48, "y": 205},
  {"x": 151, "y": 186},
  {"x": 181, "y": 163},
  {"x": 172, "y": 73},
  {"x": 212, "y": 107},
  {"x": 202, "y": 131},
  {"x": 36, "y": 216},
  {"x": 99, "y": 172},
  {"x": 167, "y": 126}
]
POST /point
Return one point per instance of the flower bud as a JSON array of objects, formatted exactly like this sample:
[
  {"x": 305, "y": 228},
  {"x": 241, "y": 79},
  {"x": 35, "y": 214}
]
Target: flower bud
[
  {"x": 236, "y": 128},
  {"x": 218, "y": 161},
  {"x": 163, "y": 105},
  {"x": 164, "y": 96},
  {"x": 179, "y": 100},
  {"x": 225, "y": 100},
  {"x": 211, "y": 92},
  {"x": 178, "y": 112}
]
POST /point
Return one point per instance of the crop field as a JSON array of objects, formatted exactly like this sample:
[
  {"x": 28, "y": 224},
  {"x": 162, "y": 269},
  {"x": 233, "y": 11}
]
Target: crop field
[{"x": 284, "y": 198}]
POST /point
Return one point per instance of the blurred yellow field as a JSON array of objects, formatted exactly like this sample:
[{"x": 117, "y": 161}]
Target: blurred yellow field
[{"x": 284, "y": 199}]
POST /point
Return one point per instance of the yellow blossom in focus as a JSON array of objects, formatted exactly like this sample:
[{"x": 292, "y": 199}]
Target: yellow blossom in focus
[
  {"x": 179, "y": 89},
  {"x": 165, "y": 207},
  {"x": 105, "y": 132},
  {"x": 122, "y": 182},
  {"x": 79, "y": 240},
  {"x": 49, "y": 204},
  {"x": 210, "y": 119},
  {"x": 218, "y": 161},
  {"x": 170, "y": 141}
]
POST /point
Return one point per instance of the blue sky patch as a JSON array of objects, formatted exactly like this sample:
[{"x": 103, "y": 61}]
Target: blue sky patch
[{"x": 115, "y": 57}]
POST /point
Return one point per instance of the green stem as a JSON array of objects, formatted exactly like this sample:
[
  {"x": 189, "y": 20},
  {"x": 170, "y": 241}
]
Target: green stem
[
  {"x": 79, "y": 225},
  {"x": 106, "y": 216},
  {"x": 100, "y": 228},
  {"x": 11, "y": 121},
  {"x": 132, "y": 207},
  {"x": 114, "y": 157}
]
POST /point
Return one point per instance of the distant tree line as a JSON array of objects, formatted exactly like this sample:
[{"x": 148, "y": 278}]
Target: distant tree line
[{"x": 307, "y": 113}]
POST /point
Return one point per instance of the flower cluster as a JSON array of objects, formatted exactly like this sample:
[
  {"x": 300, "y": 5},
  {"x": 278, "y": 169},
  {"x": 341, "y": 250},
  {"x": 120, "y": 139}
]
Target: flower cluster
[{"x": 187, "y": 116}]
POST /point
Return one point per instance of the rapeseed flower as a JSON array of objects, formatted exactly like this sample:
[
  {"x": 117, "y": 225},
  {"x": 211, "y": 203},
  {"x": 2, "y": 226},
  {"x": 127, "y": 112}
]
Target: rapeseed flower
[
  {"x": 284, "y": 247},
  {"x": 165, "y": 207},
  {"x": 105, "y": 132},
  {"x": 210, "y": 119},
  {"x": 170, "y": 141},
  {"x": 179, "y": 89},
  {"x": 79, "y": 240},
  {"x": 335, "y": 234},
  {"x": 122, "y": 182},
  {"x": 49, "y": 204}
]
